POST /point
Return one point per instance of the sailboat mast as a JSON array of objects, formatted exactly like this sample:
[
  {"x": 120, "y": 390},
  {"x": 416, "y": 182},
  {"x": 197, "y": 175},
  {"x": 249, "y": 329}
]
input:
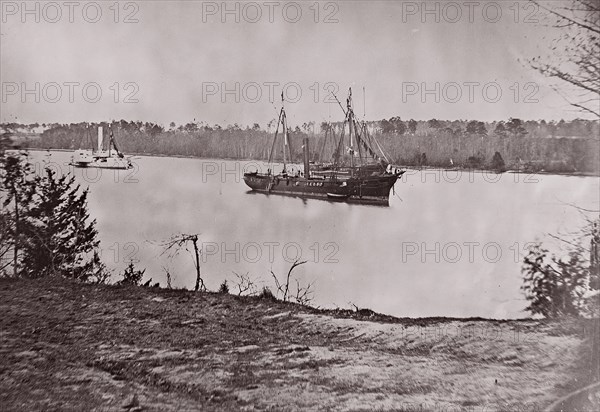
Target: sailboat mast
[
  {"x": 351, "y": 145},
  {"x": 350, "y": 122},
  {"x": 285, "y": 140},
  {"x": 284, "y": 144},
  {"x": 275, "y": 138}
]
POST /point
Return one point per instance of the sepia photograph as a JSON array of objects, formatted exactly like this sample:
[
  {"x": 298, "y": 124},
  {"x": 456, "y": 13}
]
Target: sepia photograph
[{"x": 311, "y": 205}]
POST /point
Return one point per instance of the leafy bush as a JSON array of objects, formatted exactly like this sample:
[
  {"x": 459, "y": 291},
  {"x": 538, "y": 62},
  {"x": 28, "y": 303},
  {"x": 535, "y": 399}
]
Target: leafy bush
[
  {"x": 569, "y": 286},
  {"x": 266, "y": 293}
]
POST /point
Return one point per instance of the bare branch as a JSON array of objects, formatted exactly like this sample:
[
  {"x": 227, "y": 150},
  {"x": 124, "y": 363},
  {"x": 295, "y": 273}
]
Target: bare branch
[
  {"x": 570, "y": 20},
  {"x": 287, "y": 283},
  {"x": 245, "y": 284},
  {"x": 173, "y": 246},
  {"x": 168, "y": 274},
  {"x": 573, "y": 56}
]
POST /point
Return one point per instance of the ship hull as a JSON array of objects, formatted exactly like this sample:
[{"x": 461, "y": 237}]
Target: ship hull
[
  {"x": 371, "y": 190},
  {"x": 102, "y": 165},
  {"x": 99, "y": 160}
]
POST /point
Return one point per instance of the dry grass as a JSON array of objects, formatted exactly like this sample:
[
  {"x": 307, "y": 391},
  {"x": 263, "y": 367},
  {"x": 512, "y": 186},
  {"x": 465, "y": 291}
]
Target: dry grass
[{"x": 71, "y": 346}]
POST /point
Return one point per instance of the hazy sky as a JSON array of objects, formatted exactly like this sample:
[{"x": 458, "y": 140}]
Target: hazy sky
[{"x": 176, "y": 60}]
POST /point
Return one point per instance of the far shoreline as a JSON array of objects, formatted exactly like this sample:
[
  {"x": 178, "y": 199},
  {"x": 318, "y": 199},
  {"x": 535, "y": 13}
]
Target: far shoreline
[{"x": 417, "y": 168}]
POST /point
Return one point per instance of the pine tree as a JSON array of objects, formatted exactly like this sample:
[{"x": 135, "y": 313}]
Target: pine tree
[
  {"x": 132, "y": 276},
  {"x": 17, "y": 186},
  {"x": 498, "y": 162},
  {"x": 60, "y": 239}
]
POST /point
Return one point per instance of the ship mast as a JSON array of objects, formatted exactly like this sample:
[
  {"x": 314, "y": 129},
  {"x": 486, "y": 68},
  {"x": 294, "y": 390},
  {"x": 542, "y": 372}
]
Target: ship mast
[
  {"x": 285, "y": 133},
  {"x": 358, "y": 132},
  {"x": 275, "y": 140},
  {"x": 350, "y": 122}
]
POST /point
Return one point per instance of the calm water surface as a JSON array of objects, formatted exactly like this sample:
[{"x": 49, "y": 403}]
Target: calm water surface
[{"x": 449, "y": 244}]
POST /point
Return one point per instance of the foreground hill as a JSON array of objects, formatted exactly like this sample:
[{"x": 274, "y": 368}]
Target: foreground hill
[{"x": 71, "y": 346}]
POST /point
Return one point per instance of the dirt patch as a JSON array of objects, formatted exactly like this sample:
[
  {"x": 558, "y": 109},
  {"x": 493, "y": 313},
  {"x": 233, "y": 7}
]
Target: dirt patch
[{"x": 71, "y": 346}]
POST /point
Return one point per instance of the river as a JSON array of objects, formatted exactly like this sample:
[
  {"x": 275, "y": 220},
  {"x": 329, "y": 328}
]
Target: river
[{"x": 450, "y": 243}]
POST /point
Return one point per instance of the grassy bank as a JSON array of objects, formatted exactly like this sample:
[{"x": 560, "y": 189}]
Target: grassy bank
[{"x": 72, "y": 346}]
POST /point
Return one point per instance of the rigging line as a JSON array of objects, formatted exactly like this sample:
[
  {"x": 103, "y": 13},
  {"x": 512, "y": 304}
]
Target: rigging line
[
  {"x": 340, "y": 143},
  {"x": 369, "y": 140},
  {"x": 364, "y": 103},
  {"x": 286, "y": 134},
  {"x": 338, "y": 102},
  {"x": 276, "y": 129},
  {"x": 359, "y": 141},
  {"x": 321, "y": 142},
  {"x": 397, "y": 195},
  {"x": 329, "y": 135},
  {"x": 288, "y": 142},
  {"x": 275, "y": 138},
  {"x": 357, "y": 131},
  {"x": 380, "y": 149}
]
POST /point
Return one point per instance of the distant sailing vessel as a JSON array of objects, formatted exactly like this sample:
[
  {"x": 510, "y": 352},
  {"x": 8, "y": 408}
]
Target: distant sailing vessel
[
  {"x": 355, "y": 180},
  {"x": 111, "y": 158}
]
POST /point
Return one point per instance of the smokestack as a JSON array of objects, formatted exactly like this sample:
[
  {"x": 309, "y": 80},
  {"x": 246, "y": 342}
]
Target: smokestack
[
  {"x": 99, "y": 138},
  {"x": 306, "y": 153}
]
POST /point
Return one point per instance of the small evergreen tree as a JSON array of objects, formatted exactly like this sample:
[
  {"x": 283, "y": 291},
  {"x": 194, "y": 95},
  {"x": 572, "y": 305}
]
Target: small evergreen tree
[
  {"x": 48, "y": 223},
  {"x": 60, "y": 238},
  {"x": 132, "y": 276},
  {"x": 224, "y": 288},
  {"x": 17, "y": 186},
  {"x": 498, "y": 162}
]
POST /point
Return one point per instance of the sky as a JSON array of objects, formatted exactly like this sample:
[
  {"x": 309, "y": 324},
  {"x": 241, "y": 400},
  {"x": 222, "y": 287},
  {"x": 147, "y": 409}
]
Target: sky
[{"x": 229, "y": 62}]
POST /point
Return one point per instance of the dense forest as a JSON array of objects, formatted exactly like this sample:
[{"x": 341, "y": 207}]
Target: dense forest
[{"x": 555, "y": 147}]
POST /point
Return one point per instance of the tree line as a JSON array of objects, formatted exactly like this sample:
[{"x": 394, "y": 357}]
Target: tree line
[{"x": 556, "y": 147}]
